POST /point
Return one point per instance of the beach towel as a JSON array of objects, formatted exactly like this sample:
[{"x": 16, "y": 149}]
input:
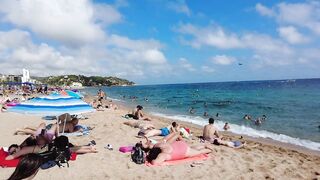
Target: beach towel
[
  {"x": 13, "y": 163},
  {"x": 85, "y": 131},
  {"x": 49, "y": 118},
  {"x": 180, "y": 161}
]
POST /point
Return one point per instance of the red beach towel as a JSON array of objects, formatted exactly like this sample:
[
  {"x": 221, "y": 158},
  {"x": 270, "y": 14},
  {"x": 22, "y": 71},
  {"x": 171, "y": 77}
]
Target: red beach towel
[{"x": 14, "y": 162}]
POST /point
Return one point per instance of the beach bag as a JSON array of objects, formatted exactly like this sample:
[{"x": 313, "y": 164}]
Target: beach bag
[
  {"x": 138, "y": 155},
  {"x": 58, "y": 153}
]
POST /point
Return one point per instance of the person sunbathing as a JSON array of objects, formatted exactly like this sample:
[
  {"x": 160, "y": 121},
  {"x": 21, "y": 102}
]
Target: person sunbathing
[
  {"x": 42, "y": 145},
  {"x": 171, "y": 149},
  {"x": 173, "y": 128},
  {"x": 232, "y": 144},
  {"x": 69, "y": 127},
  {"x": 140, "y": 125}
]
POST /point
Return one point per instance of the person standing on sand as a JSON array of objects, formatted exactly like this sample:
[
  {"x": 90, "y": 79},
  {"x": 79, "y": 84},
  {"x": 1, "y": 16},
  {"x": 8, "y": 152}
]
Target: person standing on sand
[
  {"x": 210, "y": 132},
  {"x": 101, "y": 95}
]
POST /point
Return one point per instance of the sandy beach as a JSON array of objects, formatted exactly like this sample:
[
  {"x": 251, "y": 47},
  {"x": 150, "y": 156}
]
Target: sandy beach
[{"x": 256, "y": 161}]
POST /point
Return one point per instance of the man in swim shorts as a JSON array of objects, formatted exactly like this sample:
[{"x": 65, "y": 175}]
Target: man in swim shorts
[{"x": 210, "y": 132}]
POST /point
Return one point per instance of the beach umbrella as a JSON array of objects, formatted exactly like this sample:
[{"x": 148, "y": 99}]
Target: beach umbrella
[
  {"x": 74, "y": 94},
  {"x": 52, "y": 106}
]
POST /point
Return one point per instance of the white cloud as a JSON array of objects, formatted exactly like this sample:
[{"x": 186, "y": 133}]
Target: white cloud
[
  {"x": 13, "y": 39},
  {"x": 61, "y": 20},
  {"x": 92, "y": 52},
  {"x": 209, "y": 36},
  {"x": 261, "y": 48},
  {"x": 291, "y": 34},
  {"x": 17, "y": 51},
  {"x": 216, "y": 36},
  {"x": 265, "y": 11},
  {"x": 106, "y": 14},
  {"x": 223, "y": 60},
  {"x": 207, "y": 69},
  {"x": 180, "y": 7},
  {"x": 305, "y": 14},
  {"x": 127, "y": 43},
  {"x": 184, "y": 63}
]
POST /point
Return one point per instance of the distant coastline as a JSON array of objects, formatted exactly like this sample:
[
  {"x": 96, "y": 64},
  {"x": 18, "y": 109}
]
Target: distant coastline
[{"x": 84, "y": 81}]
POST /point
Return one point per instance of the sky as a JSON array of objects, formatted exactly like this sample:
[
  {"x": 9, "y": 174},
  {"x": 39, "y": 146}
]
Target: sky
[{"x": 158, "y": 41}]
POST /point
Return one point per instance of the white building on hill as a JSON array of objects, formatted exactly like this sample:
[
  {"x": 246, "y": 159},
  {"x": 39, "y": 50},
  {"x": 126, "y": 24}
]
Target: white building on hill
[{"x": 25, "y": 76}]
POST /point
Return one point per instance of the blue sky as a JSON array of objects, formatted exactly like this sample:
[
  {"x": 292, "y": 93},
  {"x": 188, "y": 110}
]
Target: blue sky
[{"x": 154, "y": 41}]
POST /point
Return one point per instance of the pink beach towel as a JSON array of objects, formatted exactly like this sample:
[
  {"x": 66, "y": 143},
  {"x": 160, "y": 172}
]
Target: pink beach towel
[{"x": 180, "y": 161}]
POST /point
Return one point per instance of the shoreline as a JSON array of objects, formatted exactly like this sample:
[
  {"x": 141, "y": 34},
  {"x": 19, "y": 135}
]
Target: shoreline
[{"x": 198, "y": 129}]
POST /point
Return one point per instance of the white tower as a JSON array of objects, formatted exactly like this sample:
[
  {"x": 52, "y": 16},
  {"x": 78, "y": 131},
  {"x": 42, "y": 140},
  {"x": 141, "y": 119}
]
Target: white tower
[{"x": 25, "y": 76}]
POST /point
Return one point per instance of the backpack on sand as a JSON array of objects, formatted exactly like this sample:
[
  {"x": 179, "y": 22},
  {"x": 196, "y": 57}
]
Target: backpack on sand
[
  {"x": 138, "y": 155},
  {"x": 58, "y": 152}
]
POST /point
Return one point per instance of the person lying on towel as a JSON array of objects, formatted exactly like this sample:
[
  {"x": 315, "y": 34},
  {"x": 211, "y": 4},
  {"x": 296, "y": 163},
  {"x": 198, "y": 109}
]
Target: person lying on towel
[
  {"x": 69, "y": 127},
  {"x": 171, "y": 149},
  {"x": 165, "y": 131},
  {"x": 40, "y": 144}
]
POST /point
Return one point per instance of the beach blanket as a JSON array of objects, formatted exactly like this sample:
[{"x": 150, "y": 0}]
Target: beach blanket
[
  {"x": 49, "y": 118},
  {"x": 180, "y": 161},
  {"x": 13, "y": 163}
]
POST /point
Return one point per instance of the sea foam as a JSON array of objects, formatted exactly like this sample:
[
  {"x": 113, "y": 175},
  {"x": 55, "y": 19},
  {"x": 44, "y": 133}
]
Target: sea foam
[{"x": 243, "y": 130}]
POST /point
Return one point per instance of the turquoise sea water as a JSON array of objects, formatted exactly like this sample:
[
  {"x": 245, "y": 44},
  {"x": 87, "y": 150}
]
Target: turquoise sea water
[{"x": 292, "y": 107}]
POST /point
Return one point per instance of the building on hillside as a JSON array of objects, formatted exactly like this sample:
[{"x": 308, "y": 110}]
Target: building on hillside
[
  {"x": 25, "y": 76},
  {"x": 14, "y": 78},
  {"x": 76, "y": 85}
]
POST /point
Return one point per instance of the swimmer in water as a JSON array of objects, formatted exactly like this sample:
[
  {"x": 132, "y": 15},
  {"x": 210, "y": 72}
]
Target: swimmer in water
[
  {"x": 205, "y": 114},
  {"x": 258, "y": 122},
  {"x": 226, "y": 126},
  {"x": 192, "y": 110},
  {"x": 247, "y": 117}
]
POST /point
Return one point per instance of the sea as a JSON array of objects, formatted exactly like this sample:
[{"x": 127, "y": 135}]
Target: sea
[{"x": 291, "y": 107}]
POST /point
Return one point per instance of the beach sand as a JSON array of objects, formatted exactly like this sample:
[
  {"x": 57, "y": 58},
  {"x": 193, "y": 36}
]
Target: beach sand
[{"x": 265, "y": 161}]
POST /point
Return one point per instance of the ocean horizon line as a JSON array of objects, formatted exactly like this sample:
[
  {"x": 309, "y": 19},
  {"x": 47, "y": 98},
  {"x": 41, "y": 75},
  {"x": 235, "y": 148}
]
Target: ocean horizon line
[{"x": 231, "y": 81}]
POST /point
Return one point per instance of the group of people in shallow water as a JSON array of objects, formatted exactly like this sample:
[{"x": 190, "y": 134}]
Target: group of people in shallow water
[
  {"x": 101, "y": 103},
  {"x": 258, "y": 121}
]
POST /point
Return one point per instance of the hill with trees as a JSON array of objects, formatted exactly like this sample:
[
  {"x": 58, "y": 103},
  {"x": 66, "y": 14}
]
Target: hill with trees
[{"x": 84, "y": 80}]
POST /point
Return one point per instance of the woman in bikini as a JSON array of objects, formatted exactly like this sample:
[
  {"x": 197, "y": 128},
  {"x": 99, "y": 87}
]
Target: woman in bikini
[
  {"x": 69, "y": 127},
  {"x": 171, "y": 149}
]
